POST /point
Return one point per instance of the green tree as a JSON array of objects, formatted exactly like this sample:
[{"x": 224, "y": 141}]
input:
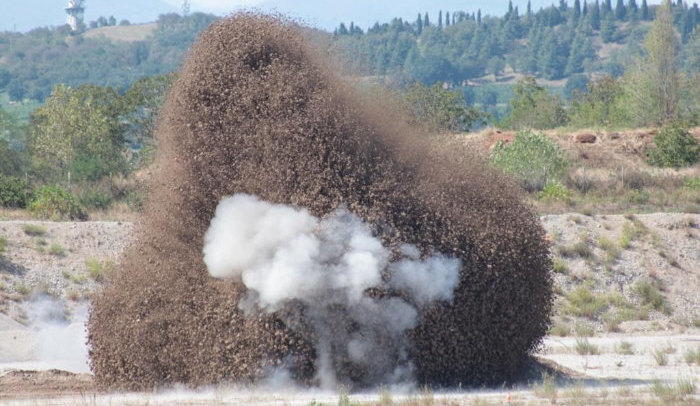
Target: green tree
[
  {"x": 607, "y": 28},
  {"x": 12, "y": 140},
  {"x": 620, "y": 10},
  {"x": 532, "y": 107},
  {"x": 644, "y": 10},
  {"x": 441, "y": 109},
  {"x": 78, "y": 133},
  {"x": 655, "y": 89},
  {"x": 675, "y": 147},
  {"x": 595, "y": 16},
  {"x": 601, "y": 105},
  {"x": 419, "y": 24}
]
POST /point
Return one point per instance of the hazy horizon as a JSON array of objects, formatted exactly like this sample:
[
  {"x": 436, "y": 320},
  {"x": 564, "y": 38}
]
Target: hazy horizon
[{"x": 25, "y": 15}]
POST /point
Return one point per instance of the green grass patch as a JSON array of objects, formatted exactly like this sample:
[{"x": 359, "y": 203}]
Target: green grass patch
[
  {"x": 584, "y": 347},
  {"x": 649, "y": 292},
  {"x": 34, "y": 230},
  {"x": 57, "y": 250},
  {"x": 560, "y": 266}
]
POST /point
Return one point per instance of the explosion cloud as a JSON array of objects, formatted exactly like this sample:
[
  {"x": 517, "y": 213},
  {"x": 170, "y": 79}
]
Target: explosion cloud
[
  {"x": 285, "y": 256},
  {"x": 294, "y": 224}
]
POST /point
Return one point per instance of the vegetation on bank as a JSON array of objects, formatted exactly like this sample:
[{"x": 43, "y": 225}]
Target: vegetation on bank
[{"x": 85, "y": 141}]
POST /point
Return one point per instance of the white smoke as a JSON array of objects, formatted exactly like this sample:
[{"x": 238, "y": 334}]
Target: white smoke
[
  {"x": 283, "y": 254},
  {"x": 59, "y": 336}
]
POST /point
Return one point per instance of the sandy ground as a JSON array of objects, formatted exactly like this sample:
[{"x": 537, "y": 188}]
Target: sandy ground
[{"x": 43, "y": 358}]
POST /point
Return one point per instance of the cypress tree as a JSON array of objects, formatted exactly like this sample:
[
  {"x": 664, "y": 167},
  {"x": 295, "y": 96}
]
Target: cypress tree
[
  {"x": 607, "y": 28},
  {"x": 595, "y": 16},
  {"x": 529, "y": 9},
  {"x": 584, "y": 11},
  {"x": 342, "y": 30},
  {"x": 645, "y": 10},
  {"x": 478, "y": 16},
  {"x": 426, "y": 22},
  {"x": 620, "y": 10},
  {"x": 447, "y": 19},
  {"x": 576, "y": 11},
  {"x": 510, "y": 9},
  {"x": 440, "y": 19},
  {"x": 607, "y": 6},
  {"x": 419, "y": 24},
  {"x": 632, "y": 10}
]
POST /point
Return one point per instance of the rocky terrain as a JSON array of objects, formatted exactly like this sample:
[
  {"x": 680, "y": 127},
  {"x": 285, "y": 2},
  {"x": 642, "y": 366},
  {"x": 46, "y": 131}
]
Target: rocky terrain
[{"x": 627, "y": 307}]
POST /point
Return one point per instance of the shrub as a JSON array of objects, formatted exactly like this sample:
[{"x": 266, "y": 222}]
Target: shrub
[
  {"x": 584, "y": 347},
  {"x": 649, "y": 292},
  {"x": 55, "y": 203},
  {"x": 95, "y": 198},
  {"x": 675, "y": 147},
  {"x": 3, "y": 245},
  {"x": 560, "y": 266},
  {"x": 33, "y": 230},
  {"x": 14, "y": 192},
  {"x": 57, "y": 250},
  {"x": 532, "y": 158},
  {"x": 555, "y": 191}
]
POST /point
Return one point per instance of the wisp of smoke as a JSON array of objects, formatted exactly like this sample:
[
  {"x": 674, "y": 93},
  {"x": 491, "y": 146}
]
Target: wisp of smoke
[
  {"x": 292, "y": 262},
  {"x": 60, "y": 338}
]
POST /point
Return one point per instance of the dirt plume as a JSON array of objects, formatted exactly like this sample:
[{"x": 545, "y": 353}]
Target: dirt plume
[{"x": 255, "y": 111}]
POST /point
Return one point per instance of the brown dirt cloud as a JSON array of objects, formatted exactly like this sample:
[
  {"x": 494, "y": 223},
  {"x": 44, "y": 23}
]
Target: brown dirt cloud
[{"x": 255, "y": 111}]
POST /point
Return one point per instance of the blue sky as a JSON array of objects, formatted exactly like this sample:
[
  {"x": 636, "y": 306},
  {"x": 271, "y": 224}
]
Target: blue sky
[{"x": 23, "y": 15}]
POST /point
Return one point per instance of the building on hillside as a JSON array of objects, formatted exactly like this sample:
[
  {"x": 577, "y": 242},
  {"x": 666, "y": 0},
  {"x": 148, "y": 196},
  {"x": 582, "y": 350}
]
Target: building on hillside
[{"x": 75, "y": 11}]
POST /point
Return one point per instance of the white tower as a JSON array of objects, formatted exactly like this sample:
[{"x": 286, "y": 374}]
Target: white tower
[{"x": 75, "y": 10}]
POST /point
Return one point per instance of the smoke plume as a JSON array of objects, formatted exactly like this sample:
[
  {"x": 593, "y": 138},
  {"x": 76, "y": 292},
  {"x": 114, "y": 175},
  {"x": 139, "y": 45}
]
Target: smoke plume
[{"x": 291, "y": 260}]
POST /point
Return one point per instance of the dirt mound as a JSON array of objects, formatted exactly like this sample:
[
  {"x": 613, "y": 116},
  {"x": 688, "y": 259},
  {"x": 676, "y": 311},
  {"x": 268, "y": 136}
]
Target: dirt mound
[{"x": 254, "y": 111}]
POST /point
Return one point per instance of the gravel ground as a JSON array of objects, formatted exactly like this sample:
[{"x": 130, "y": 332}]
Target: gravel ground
[{"x": 666, "y": 249}]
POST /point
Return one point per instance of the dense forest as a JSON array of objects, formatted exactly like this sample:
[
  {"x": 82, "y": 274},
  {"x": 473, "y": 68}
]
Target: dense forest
[
  {"x": 564, "y": 42},
  {"x": 552, "y": 43}
]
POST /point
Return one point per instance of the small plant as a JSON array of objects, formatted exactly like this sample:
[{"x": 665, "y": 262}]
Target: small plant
[
  {"x": 77, "y": 279},
  {"x": 3, "y": 245},
  {"x": 547, "y": 389},
  {"x": 660, "y": 357},
  {"x": 580, "y": 249},
  {"x": 555, "y": 191},
  {"x": 560, "y": 266},
  {"x": 57, "y": 250},
  {"x": 584, "y": 347},
  {"x": 560, "y": 329},
  {"x": 649, "y": 292},
  {"x": 624, "y": 348},
  {"x": 33, "y": 230},
  {"x": 675, "y": 147},
  {"x": 55, "y": 203},
  {"x": 22, "y": 288},
  {"x": 610, "y": 248},
  {"x": 384, "y": 397},
  {"x": 692, "y": 356},
  {"x": 584, "y": 330},
  {"x": 14, "y": 192},
  {"x": 94, "y": 268},
  {"x": 684, "y": 387},
  {"x": 583, "y": 302},
  {"x": 532, "y": 158}
]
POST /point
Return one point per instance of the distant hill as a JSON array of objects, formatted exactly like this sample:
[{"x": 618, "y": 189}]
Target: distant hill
[
  {"x": 564, "y": 46},
  {"x": 24, "y": 15},
  {"x": 126, "y": 33}
]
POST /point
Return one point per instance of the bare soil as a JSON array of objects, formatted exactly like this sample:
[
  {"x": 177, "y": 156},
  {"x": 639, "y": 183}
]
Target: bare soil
[{"x": 610, "y": 376}]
